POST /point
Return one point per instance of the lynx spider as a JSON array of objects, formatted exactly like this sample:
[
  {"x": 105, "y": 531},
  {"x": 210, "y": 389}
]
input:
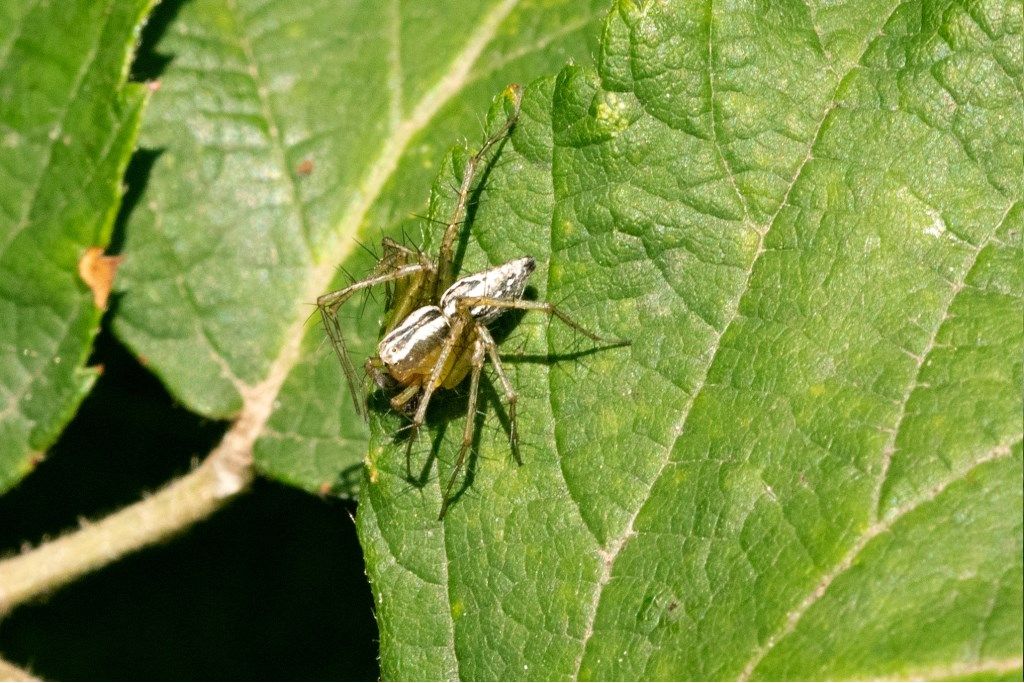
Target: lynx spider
[{"x": 437, "y": 331}]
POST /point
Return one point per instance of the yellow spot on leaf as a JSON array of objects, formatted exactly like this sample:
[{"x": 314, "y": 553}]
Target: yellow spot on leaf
[{"x": 97, "y": 271}]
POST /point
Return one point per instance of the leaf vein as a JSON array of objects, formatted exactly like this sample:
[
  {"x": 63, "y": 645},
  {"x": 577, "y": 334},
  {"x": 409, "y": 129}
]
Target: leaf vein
[
  {"x": 446, "y": 582},
  {"x": 551, "y": 404},
  {"x": 982, "y": 669},
  {"x": 16, "y": 36},
  {"x": 278, "y": 148},
  {"x": 874, "y": 530},
  {"x": 14, "y": 397},
  {"x": 53, "y": 138},
  {"x": 216, "y": 354},
  {"x": 613, "y": 550},
  {"x": 920, "y": 361},
  {"x": 715, "y": 137},
  {"x": 879, "y": 525},
  {"x": 537, "y": 45}
]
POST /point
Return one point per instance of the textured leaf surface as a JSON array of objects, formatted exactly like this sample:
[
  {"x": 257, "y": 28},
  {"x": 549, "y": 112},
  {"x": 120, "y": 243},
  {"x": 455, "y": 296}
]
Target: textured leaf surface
[
  {"x": 282, "y": 130},
  {"x": 808, "y": 219},
  {"x": 68, "y": 123}
]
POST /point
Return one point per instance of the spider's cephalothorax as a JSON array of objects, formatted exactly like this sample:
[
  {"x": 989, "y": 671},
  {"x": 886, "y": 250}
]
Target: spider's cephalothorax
[{"x": 437, "y": 331}]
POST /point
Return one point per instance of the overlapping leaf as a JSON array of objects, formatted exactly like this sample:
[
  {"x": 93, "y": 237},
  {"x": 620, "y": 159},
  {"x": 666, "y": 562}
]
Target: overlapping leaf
[
  {"x": 68, "y": 123},
  {"x": 808, "y": 464}
]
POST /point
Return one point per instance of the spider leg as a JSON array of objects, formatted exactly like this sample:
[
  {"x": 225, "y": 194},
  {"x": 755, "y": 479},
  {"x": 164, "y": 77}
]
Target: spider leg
[
  {"x": 543, "y": 306},
  {"x": 467, "y": 432},
  {"x": 399, "y": 400},
  {"x": 328, "y": 305},
  {"x": 454, "y": 335},
  {"x": 392, "y": 248},
  {"x": 401, "y": 298},
  {"x": 511, "y": 396},
  {"x": 397, "y": 404},
  {"x": 444, "y": 275}
]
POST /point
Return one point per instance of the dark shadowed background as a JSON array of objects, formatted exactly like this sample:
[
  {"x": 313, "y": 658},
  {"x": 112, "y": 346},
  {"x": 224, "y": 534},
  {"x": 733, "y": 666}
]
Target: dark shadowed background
[{"x": 271, "y": 587}]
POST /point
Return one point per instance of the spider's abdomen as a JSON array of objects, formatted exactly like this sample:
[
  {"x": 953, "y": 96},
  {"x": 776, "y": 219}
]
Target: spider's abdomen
[{"x": 506, "y": 281}]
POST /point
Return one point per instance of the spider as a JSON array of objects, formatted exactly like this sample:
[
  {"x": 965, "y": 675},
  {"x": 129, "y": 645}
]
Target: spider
[{"x": 437, "y": 329}]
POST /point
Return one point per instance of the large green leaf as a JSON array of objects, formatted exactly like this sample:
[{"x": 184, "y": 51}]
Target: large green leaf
[
  {"x": 807, "y": 218},
  {"x": 68, "y": 123},
  {"x": 281, "y": 130}
]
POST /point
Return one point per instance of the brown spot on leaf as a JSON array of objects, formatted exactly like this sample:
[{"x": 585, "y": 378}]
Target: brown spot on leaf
[
  {"x": 97, "y": 271},
  {"x": 305, "y": 167}
]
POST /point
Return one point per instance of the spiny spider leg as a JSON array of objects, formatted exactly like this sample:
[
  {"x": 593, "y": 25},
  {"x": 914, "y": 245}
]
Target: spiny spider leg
[
  {"x": 485, "y": 343},
  {"x": 329, "y": 303},
  {"x": 393, "y": 255},
  {"x": 397, "y": 403},
  {"x": 454, "y": 335},
  {"x": 399, "y": 400},
  {"x": 467, "y": 432},
  {"x": 377, "y": 371},
  {"x": 511, "y": 396},
  {"x": 392, "y": 248},
  {"x": 445, "y": 274},
  {"x": 466, "y": 303}
]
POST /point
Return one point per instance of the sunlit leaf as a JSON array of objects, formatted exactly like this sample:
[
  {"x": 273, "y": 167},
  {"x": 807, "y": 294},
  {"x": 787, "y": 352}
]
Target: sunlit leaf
[
  {"x": 808, "y": 464},
  {"x": 68, "y": 123}
]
